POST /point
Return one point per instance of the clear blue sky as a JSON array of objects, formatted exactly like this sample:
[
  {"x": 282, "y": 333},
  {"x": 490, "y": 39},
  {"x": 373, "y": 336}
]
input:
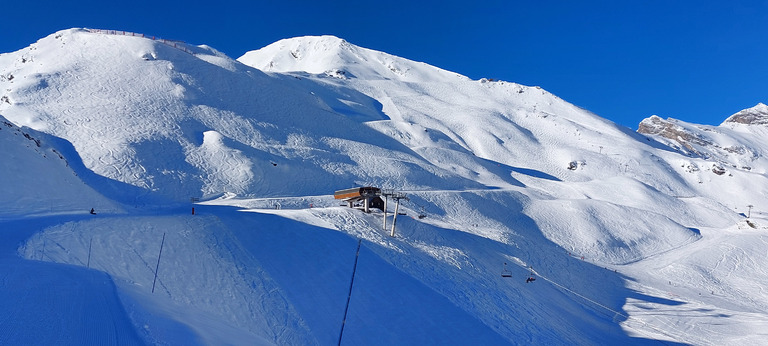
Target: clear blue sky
[{"x": 698, "y": 61}]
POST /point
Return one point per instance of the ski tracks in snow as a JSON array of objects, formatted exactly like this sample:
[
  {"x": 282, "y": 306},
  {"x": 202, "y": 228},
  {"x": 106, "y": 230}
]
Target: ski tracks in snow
[
  {"x": 203, "y": 271},
  {"x": 81, "y": 307},
  {"x": 57, "y": 304}
]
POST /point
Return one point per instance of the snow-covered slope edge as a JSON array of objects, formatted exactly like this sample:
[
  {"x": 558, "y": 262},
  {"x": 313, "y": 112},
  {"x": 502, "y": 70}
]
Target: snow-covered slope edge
[{"x": 38, "y": 180}]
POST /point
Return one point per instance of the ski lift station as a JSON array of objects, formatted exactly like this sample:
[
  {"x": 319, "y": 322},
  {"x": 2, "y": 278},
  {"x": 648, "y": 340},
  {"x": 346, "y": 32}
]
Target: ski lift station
[{"x": 361, "y": 197}]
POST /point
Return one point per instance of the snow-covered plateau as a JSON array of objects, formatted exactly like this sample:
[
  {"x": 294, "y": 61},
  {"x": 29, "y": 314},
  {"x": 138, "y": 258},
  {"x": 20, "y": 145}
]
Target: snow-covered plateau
[{"x": 211, "y": 181}]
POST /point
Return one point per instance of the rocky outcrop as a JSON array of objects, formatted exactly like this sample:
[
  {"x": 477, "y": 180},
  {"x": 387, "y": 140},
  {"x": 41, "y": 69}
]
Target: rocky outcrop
[
  {"x": 757, "y": 115},
  {"x": 677, "y": 136}
]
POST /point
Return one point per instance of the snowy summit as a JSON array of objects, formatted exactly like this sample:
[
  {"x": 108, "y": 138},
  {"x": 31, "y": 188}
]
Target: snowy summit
[
  {"x": 192, "y": 194},
  {"x": 333, "y": 56}
]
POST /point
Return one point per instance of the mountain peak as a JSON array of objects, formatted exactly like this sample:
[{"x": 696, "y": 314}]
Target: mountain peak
[
  {"x": 757, "y": 115},
  {"x": 312, "y": 54},
  {"x": 336, "y": 57}
]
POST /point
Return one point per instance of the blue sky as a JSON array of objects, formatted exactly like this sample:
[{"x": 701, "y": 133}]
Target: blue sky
[{"x": 698, "y": 61}]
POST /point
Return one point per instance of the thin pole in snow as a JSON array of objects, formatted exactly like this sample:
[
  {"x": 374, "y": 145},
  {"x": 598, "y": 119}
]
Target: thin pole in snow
[
  {"x": 89, "y": 253},
  {"x": 351, "y": 282},
  {"x": 158, "y": 262},
  {"x": 385, "y": 211}
]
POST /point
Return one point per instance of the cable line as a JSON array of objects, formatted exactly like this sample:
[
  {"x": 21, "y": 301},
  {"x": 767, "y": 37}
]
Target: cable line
[{"x": 627, "y": 317}]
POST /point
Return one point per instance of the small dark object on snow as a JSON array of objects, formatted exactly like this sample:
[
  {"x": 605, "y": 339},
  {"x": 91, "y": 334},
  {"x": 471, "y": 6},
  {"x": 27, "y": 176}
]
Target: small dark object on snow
[{"x": 93, "y": 212}]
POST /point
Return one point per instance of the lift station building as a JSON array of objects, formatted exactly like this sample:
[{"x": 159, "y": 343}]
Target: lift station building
[{"x": 361, "y": 197}]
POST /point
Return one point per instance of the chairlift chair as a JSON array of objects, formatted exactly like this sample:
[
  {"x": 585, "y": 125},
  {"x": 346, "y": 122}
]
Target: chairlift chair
[
  {"x": 531, "y": 277},
  {"x": 506, "y": 273}
]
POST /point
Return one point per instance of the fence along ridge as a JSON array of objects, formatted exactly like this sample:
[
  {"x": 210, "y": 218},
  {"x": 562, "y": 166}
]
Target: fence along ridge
[{"x": 180, "y": 45}]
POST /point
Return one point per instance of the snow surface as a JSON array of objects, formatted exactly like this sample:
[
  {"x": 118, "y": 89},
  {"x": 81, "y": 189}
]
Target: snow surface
[{"x": 634, "y": 238}]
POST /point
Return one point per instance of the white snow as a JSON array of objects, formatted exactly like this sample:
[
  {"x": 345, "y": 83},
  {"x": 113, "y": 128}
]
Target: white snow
[{"x": 633, "y": 238}]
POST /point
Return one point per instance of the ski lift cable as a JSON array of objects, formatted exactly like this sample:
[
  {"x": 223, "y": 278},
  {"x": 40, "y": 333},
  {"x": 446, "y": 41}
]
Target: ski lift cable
[{"x": 626, "y": 316}]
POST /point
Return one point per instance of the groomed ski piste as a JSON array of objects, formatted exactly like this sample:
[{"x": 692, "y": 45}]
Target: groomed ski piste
[{"x": 631, "y": 241}]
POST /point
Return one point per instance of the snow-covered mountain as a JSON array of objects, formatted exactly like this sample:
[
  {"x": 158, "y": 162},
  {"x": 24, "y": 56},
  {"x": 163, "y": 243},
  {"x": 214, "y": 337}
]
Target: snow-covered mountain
[
  {"x": 737, "y": 143},
  {"x": 629, "y": 233}
]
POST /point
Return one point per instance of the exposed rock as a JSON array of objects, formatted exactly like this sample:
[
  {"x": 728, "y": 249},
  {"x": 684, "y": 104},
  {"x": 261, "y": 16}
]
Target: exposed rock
[
  {"x": 574, "y": 165},
  {"x": 656, "y": 126},
  {"x": 757, "y": 115},
  {"x": 718, "y": 169}
]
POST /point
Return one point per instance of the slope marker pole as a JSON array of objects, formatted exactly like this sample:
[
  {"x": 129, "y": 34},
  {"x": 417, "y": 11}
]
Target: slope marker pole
[
  {"x": 88, "y": 265},
  {"x": 349, "y": 297},
  {"x": 158, "y": 262}
]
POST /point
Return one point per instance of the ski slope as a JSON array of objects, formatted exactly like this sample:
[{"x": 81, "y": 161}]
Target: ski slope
[
  {"x": 52, "y": 303},
  {"x": 634, "y": 237}
]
